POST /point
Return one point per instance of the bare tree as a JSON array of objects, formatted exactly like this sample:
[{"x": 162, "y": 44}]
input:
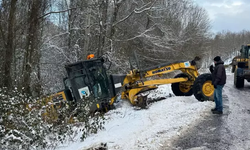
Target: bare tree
[
  {"x": 32, "y": 55},
  {"x": 9, "y": 44}
]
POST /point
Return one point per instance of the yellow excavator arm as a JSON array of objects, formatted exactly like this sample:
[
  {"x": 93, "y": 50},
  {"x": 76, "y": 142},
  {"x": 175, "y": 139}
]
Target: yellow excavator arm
[
  {"x": 138, "y": 81},
  {"x": 183, "y": 66}
]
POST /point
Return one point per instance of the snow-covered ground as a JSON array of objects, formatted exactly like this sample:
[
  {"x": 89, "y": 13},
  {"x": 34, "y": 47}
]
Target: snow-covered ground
[{"x": 127, "y": 128}]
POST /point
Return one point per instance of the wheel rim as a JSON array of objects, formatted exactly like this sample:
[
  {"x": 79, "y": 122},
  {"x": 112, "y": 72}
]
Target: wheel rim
[
  {"x": 208, "y": 88},
  {"x": 184, "y": 88}
]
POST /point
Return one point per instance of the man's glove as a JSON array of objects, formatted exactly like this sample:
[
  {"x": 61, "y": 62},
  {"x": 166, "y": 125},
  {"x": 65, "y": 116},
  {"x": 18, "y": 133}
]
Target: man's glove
[
  {"x": 215, "y": 86},
  {"x": 211, "y": 68}
]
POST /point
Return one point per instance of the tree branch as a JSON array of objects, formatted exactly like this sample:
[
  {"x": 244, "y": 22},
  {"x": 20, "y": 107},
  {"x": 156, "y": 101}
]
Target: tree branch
[
  {"x": 137, "y": 11},
  {"x": 56, "y": 12}
]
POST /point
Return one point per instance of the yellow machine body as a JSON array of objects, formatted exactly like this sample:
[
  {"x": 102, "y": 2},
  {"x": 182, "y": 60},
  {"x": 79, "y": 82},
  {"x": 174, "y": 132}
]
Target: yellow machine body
[{"x": 134, "y": 84}]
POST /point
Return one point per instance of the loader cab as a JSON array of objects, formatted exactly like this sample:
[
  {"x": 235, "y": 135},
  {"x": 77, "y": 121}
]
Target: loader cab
[
  {"x": 245, "y": 51},
  {"x": 242, "y": 61},
  {"x": 88, "y": 80},
  {"x": 242, "y": 68},
  {"x": 247, "y": 54}
]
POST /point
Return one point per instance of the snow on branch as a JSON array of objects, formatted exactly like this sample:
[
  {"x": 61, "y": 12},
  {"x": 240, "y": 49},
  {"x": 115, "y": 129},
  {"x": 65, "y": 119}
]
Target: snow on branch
[
  {"x": 143, "y": 34},
  {"x": 146, "y": 7}
]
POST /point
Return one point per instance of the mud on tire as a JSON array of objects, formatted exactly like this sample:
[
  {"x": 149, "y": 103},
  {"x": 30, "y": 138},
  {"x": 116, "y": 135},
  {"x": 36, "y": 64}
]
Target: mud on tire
[
  {"x": 199, "y": 83},
  {"x": 176, "y": 87}
]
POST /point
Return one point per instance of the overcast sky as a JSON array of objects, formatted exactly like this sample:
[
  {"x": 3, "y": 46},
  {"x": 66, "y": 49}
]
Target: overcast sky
[{"x": 233, "y": 15}]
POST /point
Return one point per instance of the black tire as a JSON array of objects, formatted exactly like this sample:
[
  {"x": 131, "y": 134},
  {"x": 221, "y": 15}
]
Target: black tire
[
  {"x": 198, "y": 86},
  {"x": 233, "y": 68},
  {"x": 176, "y": 87},
  {"x": 238, "y": 81}
]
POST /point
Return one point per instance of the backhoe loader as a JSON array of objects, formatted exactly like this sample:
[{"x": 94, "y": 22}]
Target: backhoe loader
[
  {"x": 241, "y": 66},
  {"x": 88, "y": 79}
]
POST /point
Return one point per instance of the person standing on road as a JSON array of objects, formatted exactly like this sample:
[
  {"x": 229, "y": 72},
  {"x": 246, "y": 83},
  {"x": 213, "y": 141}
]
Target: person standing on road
[{"x": 218, "y": 81}]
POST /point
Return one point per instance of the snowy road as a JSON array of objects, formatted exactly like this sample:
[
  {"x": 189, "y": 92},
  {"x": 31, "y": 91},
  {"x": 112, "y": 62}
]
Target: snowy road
[{"x": 221, "y": 132}]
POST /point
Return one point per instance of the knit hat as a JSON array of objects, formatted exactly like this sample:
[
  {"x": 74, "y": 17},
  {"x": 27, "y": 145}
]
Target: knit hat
[{"x": 217, "y": 58}]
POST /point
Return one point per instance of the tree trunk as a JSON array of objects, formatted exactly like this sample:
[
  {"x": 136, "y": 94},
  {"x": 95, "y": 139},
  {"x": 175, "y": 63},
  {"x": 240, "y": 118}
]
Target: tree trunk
[
  {"x": 103, "y": 10},
  {"x": 31, "y": 44},
  {"x": 9, "y": 45},
  {"x": 87, "y": 34}
]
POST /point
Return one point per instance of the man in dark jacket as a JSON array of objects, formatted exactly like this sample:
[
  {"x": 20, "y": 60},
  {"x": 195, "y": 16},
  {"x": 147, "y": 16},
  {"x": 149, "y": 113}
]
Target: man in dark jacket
[{"x": 218, "y": 80}]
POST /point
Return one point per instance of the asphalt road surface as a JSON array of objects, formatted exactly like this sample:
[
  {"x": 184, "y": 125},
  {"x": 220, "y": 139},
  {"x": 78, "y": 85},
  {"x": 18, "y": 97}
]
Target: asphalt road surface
[{"x": 230, "y": 131}]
